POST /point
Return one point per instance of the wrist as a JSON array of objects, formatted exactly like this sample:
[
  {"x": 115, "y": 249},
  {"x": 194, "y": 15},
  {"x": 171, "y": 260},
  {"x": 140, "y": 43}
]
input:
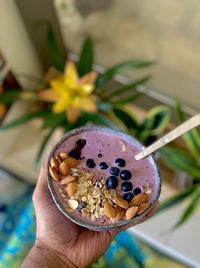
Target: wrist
[{"x": 43, "y": 256}]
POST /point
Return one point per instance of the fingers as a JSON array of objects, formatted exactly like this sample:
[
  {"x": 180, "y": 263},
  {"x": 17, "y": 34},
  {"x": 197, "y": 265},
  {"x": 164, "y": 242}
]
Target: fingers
[{"x": 41, "y": 191}]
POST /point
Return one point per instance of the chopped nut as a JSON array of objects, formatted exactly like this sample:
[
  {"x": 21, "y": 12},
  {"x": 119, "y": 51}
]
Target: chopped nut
[
  {"x": 83, "y": 199},
  {"x": 139, "y": 199},
  {"x": 93, "y": 218},
  {"x": 63, "y": 155},
  {"x": 64, "y": 169},
  {"x": 72, "y": 188},
  {"x": 54, "y": 164},
  {"x": 54, "y": 174},
  {"x": 67, "y": 180},
  {"x": 58, "y": 159}
]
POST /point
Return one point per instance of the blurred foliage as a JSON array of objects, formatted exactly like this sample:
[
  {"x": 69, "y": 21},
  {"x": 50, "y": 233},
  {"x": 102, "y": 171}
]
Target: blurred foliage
[
  {"x": 180, "y": 160},
  {"x": 106, "y": 102},
  {"x": 147, "y": 130}
]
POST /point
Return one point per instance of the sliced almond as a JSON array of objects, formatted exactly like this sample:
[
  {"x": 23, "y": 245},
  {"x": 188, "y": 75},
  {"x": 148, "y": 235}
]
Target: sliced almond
[
  {"x": 67, "y": 180},
  {"x": 63, "y": 155},
  {"x": 58, "y": 159},
  {"x": 64, "y": 169},
  {"x": 142, "y": 208},
  {"x": 131, "y": 212},
  {"x": 121, "y": 202},
  {"x": 109, "y": 210},
  {"x": 54, "y": 163},
  {"x": 72, "y": 188},
  {"x": 54, "y": 174},
  {"x": 71, "y": 162},
  {"x": 73, "y": 204},
  {"x": 139, "y": 199},
  {"x": 120, "y": 213}
]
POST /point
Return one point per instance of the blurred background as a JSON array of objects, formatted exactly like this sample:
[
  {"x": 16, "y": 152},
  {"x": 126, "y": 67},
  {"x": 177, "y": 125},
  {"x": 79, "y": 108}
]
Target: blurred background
[{"x": 36, "y": 37}]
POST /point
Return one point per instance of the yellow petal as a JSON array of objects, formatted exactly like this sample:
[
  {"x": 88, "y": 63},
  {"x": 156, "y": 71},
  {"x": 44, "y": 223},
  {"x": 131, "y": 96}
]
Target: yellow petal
[
  {"x": 88, "y": 105},
  {"x": 72, "y": 114},
  {"x": 58, "y": 85},
  {"x": 88, "y": 78},
  {"x": 61, "y": 105},
  {"x": 2, "y": 109},
  {"x": 48, "y": 95},
  {"x": 71, "y": 75},
  {"x": 85, "y": 89}
]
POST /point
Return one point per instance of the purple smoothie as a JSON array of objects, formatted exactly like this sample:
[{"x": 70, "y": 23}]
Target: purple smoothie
[{"x": 104, "y": 145}]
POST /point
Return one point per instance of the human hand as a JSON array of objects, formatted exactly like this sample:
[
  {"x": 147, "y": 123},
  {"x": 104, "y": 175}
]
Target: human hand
[{"x": 60, "y": 242}]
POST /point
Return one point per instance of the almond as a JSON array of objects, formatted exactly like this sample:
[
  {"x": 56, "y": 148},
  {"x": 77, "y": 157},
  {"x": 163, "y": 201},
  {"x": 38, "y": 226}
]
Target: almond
[
  {"x": 139, "y": 199},
  {"x": 63, "y": 155},
  {"x": 121, "y": 202},
  {"x": 64, "y": 169},
  {"x": 68, "y": 179},
  {"x": 58, "y": 159},
  {"x": 109, "y": 210},
  {"x": 131, "y": 212},
  {"x": 120, "y": 213},
  {"x": 142, "y": 208},
  {"x": 71, "y": 162},
  {"x": 72, "y": 188},
  {"x": 54, "y": 174},
  {"x": 54, "y": 163}
]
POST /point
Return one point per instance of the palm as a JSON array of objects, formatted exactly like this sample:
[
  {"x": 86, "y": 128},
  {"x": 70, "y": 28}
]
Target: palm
[{"x": 54, "y": 229}]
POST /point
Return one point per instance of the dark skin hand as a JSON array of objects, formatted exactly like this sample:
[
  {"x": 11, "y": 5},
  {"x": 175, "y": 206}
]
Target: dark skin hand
[{"x": 60, "y": 242}]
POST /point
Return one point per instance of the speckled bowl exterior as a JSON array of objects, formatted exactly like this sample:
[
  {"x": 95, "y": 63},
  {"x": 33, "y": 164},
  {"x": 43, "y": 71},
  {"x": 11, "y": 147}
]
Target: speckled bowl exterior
[{"x": 79, "y": 221}]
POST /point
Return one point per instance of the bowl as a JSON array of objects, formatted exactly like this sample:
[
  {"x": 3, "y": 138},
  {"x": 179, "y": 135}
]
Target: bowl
[{"x": 81, "y": 221}]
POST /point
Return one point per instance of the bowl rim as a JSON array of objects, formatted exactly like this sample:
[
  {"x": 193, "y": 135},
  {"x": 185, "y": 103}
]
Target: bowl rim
[{"x": 90, "y": 225}]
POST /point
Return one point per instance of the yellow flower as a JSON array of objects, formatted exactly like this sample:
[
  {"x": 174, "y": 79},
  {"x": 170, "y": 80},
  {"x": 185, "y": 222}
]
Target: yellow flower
[{"x": 71, "y": 94}]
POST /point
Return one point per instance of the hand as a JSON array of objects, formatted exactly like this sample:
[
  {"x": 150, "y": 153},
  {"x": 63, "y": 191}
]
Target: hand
[{"x": 59, "y": 239}]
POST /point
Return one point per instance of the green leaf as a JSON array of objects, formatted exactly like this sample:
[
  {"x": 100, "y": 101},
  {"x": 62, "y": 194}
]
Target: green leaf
[
  {"x": 24, "y": 119},
  {"x": 156, "y": 120},
  {"x": 53, "y": 120},
  {"x": 128, "y": 99},
  {"x": 10, "y": 96},
  {"x": 128, "y": 120},
  {"x": 111, "y": 72},
  {"x": 43, "y": 146},
  {"x": 130, "y": 86},
  {"x": 176, "y": 199},
  {"x": 192, "y": 137},
  {"x": 179, "y": 113},
  {"x": 86, "y": 57},
  {"x": 190, "y": 209},
  {"x": 54, "y": 50},
  {"x": 180, "y": 161},
  {"x": 96, "y": 118}
]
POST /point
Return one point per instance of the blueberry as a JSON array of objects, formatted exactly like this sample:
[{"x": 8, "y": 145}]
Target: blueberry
[
  {"x": 112, "y": 182},
  {"x": 128, "y": 197},
  {"x": 81, "y": 143},
  {"x": 137, "y": 191},
  {"x": 100, "y": 155},
  {"x": 120, "y": 162},
  {"x": 103, "y": 165},
  {"x": 126, "y": 186},
  {"x": 125, "y": 175},
  {"x": 114, "y": 171},
  {"x": 90, "y": 163},
  {"x": 81, "y": 206}
]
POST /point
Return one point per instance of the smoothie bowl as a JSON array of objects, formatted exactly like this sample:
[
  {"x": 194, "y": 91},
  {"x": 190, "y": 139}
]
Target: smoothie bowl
[{"x": 96, "y": 182}]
